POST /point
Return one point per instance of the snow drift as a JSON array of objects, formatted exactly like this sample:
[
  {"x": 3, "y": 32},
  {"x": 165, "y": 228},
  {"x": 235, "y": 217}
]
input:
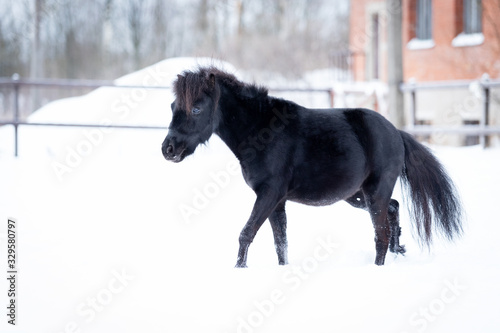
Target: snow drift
[{"x": 124, "y": 241}]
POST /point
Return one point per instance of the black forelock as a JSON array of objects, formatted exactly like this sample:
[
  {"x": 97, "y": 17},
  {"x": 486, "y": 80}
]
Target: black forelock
[{"x": 190, "y": 85}]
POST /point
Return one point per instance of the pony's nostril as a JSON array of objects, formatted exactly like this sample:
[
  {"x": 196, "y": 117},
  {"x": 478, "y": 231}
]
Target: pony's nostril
[{"x": 170, "y": 149}]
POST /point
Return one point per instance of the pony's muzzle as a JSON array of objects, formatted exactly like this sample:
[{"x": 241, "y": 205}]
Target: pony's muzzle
[{"x": 171, "y": 151}]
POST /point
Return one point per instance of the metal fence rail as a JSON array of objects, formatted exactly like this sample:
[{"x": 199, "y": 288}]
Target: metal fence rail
[
  {"x": 482, "y": 130},
  {"x": 16, "y": 83}
]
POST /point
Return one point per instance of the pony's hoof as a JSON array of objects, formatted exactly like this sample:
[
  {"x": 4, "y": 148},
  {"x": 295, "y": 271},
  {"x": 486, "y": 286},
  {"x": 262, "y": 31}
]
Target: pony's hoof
[
  {"x": 283, "y": 262},
  {"x": 241, "y": 266},
  {"x": 399, "y": 250},
  {"x": 380, "y": 260}
]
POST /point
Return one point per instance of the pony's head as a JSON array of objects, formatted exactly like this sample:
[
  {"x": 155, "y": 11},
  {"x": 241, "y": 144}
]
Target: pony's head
[{"x": 193, "y": 113}]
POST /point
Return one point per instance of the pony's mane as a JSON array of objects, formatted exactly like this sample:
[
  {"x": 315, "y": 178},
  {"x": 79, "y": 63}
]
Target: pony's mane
[{"x": 189, "y": 85}]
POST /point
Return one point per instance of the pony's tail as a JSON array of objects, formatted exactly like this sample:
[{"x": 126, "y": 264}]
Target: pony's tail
[{"x": 434, "y": 200}]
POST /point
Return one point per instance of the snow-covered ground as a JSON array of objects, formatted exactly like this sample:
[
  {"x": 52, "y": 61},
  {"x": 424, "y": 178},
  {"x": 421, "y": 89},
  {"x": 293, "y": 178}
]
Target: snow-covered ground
[{"x": 113, "y": 238}]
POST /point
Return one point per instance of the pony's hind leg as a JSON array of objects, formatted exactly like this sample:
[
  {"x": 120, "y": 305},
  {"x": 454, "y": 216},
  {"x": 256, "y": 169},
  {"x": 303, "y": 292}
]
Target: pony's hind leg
[
  {"x": 393, "y": 217},
  {"x": 378, "y": 213},
  {"x": 377, "y": 191},
  {"x": 387, "y": 230},
  {"x": 278, "y": 223}
]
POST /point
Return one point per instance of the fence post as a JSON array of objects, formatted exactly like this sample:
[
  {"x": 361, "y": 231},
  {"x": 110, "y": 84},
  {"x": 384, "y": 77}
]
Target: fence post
[
  {"x": 395, "y": 59},
  {"x": 413, "y": 103},
  {"x": 332, "y": 98},
  {"x": 15, "y": 79},
  {"x": 484, "y": 139}
]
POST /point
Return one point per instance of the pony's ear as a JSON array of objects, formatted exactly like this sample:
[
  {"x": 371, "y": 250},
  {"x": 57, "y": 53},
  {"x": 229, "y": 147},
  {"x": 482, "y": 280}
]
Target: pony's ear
[
  {"x": 211, "y": 80},
  {"x": 179, "y": 76}
]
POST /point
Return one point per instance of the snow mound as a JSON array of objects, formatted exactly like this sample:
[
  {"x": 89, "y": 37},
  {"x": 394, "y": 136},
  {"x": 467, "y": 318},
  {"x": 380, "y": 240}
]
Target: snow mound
[{"x": 137, "y": 106}]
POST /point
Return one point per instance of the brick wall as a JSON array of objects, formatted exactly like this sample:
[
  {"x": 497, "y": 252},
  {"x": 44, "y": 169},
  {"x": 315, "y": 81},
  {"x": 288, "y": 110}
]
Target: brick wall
[
  {"x": 441, "y": 62},
  {"x": 445, "y": 61},
  {"x": 360, "y": 37}
]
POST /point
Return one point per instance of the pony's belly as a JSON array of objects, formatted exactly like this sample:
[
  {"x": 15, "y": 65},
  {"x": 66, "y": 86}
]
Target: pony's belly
[
  {"x": 321, "y": 196},
  {"x": 327, "y": 185},
  {"x": 315, "y": 202}
]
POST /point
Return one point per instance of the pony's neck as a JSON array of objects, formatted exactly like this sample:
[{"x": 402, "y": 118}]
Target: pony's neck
[{"x": 240, "y": 119}]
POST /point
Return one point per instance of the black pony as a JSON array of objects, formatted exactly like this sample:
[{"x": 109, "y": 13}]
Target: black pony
[{"x": 315, "y": 157}]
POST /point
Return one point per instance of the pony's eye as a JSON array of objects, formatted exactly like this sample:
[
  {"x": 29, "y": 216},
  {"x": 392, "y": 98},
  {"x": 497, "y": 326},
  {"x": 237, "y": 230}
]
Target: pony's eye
[{"x": 195, "y": 111}]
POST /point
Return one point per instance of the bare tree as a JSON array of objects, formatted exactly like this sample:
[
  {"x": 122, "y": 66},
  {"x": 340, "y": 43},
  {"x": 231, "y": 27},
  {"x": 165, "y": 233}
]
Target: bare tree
[
  {"x": 36, "y": 54},
  {"x": 106, "y": 38},
  {"x": 136, "y": 23}
]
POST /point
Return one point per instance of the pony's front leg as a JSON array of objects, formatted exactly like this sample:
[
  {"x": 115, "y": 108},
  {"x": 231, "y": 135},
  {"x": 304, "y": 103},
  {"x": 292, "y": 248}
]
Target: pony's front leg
[{"x": 267, "y": 199}]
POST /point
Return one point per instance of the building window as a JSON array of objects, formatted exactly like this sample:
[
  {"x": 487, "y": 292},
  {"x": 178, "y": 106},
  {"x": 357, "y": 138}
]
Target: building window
[
  {"x": 471, "y": 30},
  {"x": 424, "y": 19},
  {"x": 472, "y": 17},
  {"x": 422, "y": 15}
]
